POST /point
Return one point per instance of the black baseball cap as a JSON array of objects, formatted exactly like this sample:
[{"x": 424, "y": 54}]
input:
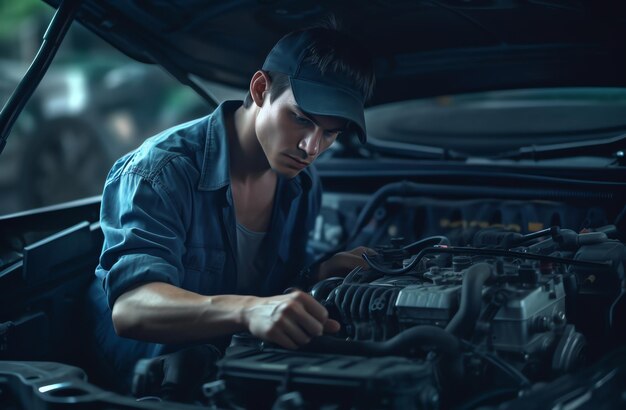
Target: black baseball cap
[{"x": 317, "y": 92}]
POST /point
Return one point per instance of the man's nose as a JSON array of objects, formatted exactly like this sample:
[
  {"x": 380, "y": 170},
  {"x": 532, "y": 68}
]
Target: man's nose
[{"x": 311, "y": 143}]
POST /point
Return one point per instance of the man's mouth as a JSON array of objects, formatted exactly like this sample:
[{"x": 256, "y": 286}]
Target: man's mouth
[{"x": 298, "y": 162}]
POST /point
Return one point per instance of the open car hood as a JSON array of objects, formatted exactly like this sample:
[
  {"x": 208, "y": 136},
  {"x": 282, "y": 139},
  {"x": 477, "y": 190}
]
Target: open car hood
[{"x": 421, "y": 48}]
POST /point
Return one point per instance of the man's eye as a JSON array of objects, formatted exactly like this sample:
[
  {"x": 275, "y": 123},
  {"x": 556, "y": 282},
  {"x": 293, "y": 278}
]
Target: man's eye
[{"x": 301, "y": 120}]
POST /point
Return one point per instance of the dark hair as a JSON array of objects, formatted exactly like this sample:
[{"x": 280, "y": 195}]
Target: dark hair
[{"x": 331, "y": 49}]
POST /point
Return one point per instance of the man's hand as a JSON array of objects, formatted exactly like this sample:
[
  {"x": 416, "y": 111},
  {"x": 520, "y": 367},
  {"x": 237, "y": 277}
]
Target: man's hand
[
  {"x": 288, "y": 320},
  {"x": 342, "y": 263}
]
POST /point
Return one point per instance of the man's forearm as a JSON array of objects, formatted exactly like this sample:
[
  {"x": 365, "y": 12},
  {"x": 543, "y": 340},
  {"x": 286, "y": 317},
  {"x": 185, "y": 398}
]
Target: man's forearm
[{"x": 162, "y": 313}]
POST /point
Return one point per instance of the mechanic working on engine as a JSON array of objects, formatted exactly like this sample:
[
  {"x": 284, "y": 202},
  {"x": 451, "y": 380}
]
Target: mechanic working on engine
[{"x": 205, "y": 225}]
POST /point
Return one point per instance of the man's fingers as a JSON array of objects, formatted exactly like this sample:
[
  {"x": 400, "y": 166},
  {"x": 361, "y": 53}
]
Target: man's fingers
[
  {"x": 318, "y": 316},
  {"x": 361, "y": 250},
  {"x": 354, "y": 257},
  {"x": 295, "y": 319},
  {"x": 352, "y": 260},
  {"x": 283, "y": 340},
  {"x": 307, "y": 322},
  {"x": 331, "y": 326},
  {"x": 312, "y": 306},
  {"x": 295, "y": 332},
  {"x": 292, "y": 338}
]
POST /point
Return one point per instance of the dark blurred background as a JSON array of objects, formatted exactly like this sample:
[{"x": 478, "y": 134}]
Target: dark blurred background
[{"x": 93, "y": 105}]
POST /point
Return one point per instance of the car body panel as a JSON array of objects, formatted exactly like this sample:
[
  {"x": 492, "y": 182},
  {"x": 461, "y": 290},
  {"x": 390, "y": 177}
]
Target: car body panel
[{"x": 421, "y": 48}]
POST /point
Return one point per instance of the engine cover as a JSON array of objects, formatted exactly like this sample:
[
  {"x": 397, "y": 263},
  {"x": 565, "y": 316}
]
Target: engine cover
[{"x": 269, "y": 375}]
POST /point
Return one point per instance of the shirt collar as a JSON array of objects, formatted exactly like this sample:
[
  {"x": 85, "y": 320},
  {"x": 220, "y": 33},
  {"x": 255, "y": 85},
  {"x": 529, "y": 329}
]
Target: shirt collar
[{"x": 215, "y": 162}]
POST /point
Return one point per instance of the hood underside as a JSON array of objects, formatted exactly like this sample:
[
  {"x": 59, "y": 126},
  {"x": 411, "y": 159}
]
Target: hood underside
[{"x": 421, "y": 48}]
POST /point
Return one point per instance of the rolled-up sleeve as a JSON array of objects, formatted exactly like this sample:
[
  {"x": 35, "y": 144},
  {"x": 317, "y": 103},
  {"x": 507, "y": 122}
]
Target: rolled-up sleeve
[{"x": 144, "y": 234}]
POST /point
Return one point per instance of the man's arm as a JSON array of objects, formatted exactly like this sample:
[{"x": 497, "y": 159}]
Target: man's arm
[{"x": 163, "y": 313}]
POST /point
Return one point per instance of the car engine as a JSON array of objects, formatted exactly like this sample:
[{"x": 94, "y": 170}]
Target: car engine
[{"x": 438, "y": 323}]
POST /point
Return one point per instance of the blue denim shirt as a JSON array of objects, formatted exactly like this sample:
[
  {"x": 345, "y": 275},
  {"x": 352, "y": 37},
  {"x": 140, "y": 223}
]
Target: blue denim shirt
[{"x": 167, "y": 215}]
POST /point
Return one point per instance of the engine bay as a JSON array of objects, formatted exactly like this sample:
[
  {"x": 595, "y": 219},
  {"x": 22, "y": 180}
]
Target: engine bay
[
  {"x": 432, "y": 324},
  {"x": 467, "y": 302}
]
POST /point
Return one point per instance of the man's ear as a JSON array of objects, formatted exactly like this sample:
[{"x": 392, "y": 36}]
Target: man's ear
[{"x": 259, "y": 87}]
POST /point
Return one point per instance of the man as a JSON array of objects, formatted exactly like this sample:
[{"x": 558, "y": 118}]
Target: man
[{"x": 205, "y": 215}]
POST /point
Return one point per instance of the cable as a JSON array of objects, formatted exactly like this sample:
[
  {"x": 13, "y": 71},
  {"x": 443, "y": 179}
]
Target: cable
[
  {"x": 480, "y": 251},
  {"x": 441, "y": 240},
  {"x": 614, "y": 306},
  {"x": 552, "y": 231}
]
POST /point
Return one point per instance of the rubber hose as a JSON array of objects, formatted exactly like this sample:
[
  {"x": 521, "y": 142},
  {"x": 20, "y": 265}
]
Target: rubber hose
[
  {"x": 322, "y": 289},
  {"x": 464, "y": 321}
]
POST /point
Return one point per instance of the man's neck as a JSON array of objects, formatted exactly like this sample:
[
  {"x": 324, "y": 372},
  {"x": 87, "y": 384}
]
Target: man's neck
[
  {"x": 252, "y": 180},
  {"x": 247, "y": 159}
]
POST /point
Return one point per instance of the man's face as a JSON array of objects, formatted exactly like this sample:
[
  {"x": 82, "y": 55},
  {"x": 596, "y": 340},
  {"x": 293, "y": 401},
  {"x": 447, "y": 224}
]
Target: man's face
[{"x": 291, "y": 138}]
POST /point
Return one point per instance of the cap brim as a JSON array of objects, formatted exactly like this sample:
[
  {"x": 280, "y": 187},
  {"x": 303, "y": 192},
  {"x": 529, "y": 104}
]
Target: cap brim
[{"x": 320, "y": 99}]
